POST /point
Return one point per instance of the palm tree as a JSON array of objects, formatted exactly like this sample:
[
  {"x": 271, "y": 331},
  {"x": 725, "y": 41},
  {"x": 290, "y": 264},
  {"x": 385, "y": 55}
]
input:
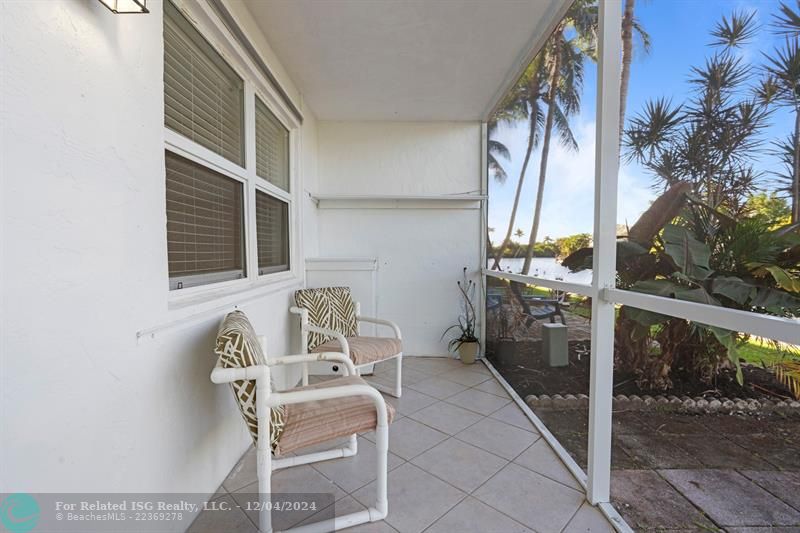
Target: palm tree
[
  {"x": 629, "y": 26},
  {"x": 495, "y": 151},
  {"x": 563, "y": 61},
  {"x": 521, "y": 102},
  {"x": 709, "y": 141},
  {"x": 519, "y": 233},
  {"x": 783, "y": 72}
]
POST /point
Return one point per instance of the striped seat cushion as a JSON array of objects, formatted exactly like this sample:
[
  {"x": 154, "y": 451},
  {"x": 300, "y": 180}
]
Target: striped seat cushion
[
  {"x": 364, "y": 350},
  {"x": 310, "y": 423},
  {"x": 328, "y": 307},
  {"x": 237, "y": 346}
]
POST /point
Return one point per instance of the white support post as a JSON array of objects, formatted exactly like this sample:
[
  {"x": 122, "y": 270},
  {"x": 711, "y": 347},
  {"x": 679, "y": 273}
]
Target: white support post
[
  {"x": 264, "y": 447},
  {"x": 483, "y": 236},
  {"x": 304, "y": 342},
  {"x": 605, "y": 248}
]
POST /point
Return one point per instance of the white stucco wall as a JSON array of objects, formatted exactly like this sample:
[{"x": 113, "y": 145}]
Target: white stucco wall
[
  {"x": 421, "y": 251},
  {"x": 84, "y": 405}
]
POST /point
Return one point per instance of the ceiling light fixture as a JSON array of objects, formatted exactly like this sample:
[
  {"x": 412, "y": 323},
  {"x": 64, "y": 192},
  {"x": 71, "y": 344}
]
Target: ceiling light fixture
[{"x": 126, "y": 6}]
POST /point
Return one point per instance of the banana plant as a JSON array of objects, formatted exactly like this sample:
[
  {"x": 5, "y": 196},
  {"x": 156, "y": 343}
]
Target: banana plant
[{"x": 746, "y": 266}]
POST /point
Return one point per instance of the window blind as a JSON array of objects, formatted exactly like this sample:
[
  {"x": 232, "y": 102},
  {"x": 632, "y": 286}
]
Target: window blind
[
  {"x": 203, "y": 95},
  {"x": 272, "y": 233},
  {"x": 205, "y": 236},
  {"x": 272, "y": 148}
]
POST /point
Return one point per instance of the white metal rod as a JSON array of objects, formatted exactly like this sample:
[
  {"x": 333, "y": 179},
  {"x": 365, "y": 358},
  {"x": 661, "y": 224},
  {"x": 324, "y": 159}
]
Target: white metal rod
[
  {"x": 577, "y": 288},
  {"x": 605, "y": 249},
  {"x": 606, "y": 508},
  {"x": 297, "y": 460},
  {"x": 562, "y": 453},
  {"x": 769, "y": 327}
]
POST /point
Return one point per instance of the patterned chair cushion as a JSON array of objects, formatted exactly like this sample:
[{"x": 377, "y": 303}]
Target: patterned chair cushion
[
  {"x": 238, "y": 347},
  {"x": 310, "y": 423},
  {"x": 364, "y": 350},
  {"x": 330, "y": 308}
]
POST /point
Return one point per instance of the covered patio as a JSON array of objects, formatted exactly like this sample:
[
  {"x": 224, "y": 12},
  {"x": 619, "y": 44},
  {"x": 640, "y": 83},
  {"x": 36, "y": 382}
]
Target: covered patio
[
  {"x": 207, "y": 158},
  {"x": 463, "y": 456}
]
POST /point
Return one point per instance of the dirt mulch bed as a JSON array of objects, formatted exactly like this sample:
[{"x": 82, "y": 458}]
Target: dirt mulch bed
[{"x": 524, "y": 367}]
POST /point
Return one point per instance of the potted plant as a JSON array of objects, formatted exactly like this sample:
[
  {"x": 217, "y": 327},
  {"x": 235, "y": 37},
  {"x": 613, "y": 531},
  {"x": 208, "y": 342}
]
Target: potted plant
[{"x": 467, "y": 342}]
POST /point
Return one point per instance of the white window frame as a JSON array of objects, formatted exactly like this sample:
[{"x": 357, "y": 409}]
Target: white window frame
[{"x": 206, "y": 21}]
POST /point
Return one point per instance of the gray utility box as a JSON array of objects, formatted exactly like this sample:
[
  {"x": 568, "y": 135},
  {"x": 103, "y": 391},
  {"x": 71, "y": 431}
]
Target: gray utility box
[{"x": 554, "y": 343}]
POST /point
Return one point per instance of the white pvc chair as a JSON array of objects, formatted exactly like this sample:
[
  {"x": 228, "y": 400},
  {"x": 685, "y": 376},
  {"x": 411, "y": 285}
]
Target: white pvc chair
[
  {"x": 363, "y": 351},
  {"x": 267, "y": 398}
]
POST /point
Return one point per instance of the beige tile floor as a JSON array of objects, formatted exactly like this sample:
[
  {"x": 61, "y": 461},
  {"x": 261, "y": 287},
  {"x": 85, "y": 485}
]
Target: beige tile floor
[{"x": 462, "y": 457}]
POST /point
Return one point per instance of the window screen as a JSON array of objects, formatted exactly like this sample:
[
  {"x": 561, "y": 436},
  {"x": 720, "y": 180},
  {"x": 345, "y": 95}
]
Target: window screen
[
  {"x": 205, "y": 237},
  {"x": 272, "y": 230},
  {"x": 203, "y": 96},
  {"x": 272, "y": 148}
]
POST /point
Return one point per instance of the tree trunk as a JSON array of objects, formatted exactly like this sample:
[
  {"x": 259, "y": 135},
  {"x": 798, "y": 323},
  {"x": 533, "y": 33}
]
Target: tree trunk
[
  {"x": 548, "y": 132},
  {"x": 795, "y": 191},
  {"x": 627, "y": 57},
  {"x": 531, "y": 141}
]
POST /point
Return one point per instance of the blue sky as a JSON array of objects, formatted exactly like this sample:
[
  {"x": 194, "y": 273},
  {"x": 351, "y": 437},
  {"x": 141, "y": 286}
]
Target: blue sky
[{"x": 679, "y": 31}]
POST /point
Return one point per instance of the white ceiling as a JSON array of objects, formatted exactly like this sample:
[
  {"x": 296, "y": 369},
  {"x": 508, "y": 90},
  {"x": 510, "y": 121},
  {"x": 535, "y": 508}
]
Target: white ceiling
[{"x": 403, "y": 59}]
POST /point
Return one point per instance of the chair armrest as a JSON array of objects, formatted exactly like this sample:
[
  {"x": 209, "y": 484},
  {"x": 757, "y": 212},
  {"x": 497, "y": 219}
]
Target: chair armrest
[
  {"x": 334, "y": 357},
  {"x": 329, "y": 393},
  {"x": 316, "y": 329},
  {"x": 335, "y": 334},
  {"x": 228, "y": 375},
  {"x": 381, "y": 322}
]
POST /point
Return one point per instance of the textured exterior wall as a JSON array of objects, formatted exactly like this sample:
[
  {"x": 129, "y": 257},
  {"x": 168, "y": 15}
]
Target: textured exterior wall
[
  {"x": 85, "y": 405},
  {"x": 420, "y": 251}
]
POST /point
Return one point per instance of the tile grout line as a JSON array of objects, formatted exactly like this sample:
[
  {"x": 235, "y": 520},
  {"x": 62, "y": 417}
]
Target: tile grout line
[
  {"x": 556, "y": 447},
  {"x": 466, "y": 494},
  {"x": 504, "y": 467},
  {"x": 765, "y": 489},
  {"x": 679, "y": 491},
  {"x": 571, "y": 518}
]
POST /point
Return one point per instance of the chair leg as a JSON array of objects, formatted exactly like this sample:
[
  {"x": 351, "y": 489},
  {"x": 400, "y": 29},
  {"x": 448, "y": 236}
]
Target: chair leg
[
  {"x": 264, "y": 470},
  {"x": 381, "y": 508},
  {"x": 398, "y": 384},
  {"x": 395, "y": 390}
]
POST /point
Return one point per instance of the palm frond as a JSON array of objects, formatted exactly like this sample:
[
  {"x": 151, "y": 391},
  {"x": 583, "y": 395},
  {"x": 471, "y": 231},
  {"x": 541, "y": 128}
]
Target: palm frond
[
  {"x": 723, "y": 72},
  {"x": 653, "y": 127},
  {"x": 788, "y": 373},
  {"x": 565, "y": 135},
  {"x": 766, "y": 90},
  {"x": 787, "y": 21},
  {"x": 497, "y": 149},
  {"x": 735, "y": 31},
  {"x": 783, "y": 66},
  {"x": 644, "y": 38}
]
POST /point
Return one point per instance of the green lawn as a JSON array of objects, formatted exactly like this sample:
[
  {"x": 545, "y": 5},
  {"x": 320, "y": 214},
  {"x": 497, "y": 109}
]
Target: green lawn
[
  {"x": 757, "y": 351},
  {"x": 536, "y": 291}
]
